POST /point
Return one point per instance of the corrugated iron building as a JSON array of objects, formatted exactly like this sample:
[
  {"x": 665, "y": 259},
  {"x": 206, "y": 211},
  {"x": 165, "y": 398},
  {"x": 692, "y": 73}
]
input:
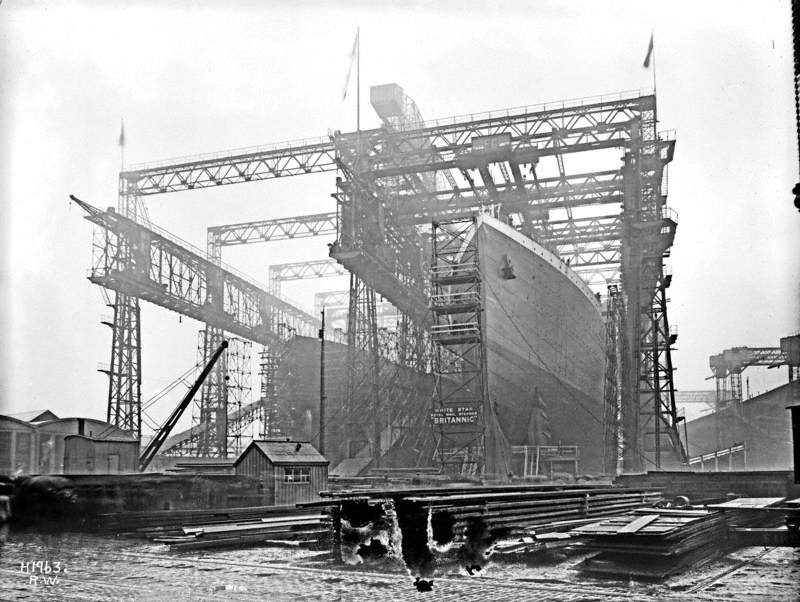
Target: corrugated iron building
[
  {"x": 18, "y": 443},
  {"x": 52, "y": 435},
  {"x": 34, "y": 442},
  {"x": 84, "y": 455},
  {"x": 289, "y": 472},
  {"x": 760, "y": 427}
]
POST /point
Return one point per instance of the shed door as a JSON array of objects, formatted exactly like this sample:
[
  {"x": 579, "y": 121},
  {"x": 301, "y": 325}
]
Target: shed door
[{"x": 113, "y": 463}]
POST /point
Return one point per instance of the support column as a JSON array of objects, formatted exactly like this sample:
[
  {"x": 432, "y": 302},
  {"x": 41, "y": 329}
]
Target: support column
[{"x": 124, "y": 371}]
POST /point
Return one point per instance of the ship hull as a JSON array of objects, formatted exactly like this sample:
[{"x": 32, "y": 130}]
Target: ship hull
[{"x": 544, "y": 340}]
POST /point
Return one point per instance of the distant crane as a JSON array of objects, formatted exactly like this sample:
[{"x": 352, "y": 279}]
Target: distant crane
[
  {"x": 732, "y": 362},
  {"x": 158, "y": 440}
]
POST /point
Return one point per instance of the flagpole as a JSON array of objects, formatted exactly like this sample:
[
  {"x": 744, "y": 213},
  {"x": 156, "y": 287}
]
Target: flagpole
[
  {"x": 358, "y": 81},
  {"x": 652, "y": 37}
]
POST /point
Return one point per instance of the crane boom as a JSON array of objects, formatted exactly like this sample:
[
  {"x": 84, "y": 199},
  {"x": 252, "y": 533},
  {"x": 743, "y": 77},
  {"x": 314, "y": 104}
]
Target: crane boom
[{"x": 158, "y": 440}]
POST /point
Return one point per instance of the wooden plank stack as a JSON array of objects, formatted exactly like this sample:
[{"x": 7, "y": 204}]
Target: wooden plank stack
[
  {"x": 653, "y": 543},
  {"x": 297, "y": 529},
  {"x": 529, "y": 508},
  {"x": 150, "y": 522},
  {"x": 503, "y": 510}
]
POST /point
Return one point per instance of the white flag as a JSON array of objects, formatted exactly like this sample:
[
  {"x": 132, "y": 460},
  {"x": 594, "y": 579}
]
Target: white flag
[{"x": 353, "y": 54}]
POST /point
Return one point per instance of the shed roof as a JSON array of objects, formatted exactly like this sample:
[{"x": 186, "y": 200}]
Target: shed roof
[
  {"x": 35, "y": 415},
  {"x": 286, "y": 452}
]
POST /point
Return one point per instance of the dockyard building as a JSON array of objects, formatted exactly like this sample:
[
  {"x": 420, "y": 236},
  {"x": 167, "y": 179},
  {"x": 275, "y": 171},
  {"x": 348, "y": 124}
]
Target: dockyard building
[{"x": 288, "y": 471}]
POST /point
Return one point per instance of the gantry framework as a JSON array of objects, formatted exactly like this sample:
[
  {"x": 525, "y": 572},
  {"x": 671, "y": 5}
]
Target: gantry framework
[
  {"x": 727, "y": 367},
  {"x": 216, "y": 391},
  {"x": 302, "y": 270},
  {"x": 284, "y": 228},
  {"x": 167, "y": 273},
  {"x": 583, "y": 177},
  {"x": 586, "y": 178},
  {"x": 232, "y": 167}
]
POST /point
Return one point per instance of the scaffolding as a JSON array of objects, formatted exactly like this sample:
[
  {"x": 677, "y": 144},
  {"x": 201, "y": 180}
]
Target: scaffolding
[
  {"x": 612, "y": 390},
  {"x": 461, "y": 396}
]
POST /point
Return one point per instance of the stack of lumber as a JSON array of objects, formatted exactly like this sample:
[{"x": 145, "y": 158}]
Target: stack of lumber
[
  {"x": 171, "y": 522},
  {"x": 529, "y": 508},
  {"x": 653, "y": 543},
  {"x": 296, "y": 529},
  {"x": 503, "y": 509}
]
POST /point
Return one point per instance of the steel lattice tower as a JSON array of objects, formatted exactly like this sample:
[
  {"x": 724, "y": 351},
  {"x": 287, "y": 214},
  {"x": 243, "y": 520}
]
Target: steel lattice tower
[{"x": 124, "y": 370}]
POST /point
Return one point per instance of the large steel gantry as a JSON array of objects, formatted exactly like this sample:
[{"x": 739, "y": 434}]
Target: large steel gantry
[
  {"x": 584, "y": 177},
  {"x": 528, "y": 165}
]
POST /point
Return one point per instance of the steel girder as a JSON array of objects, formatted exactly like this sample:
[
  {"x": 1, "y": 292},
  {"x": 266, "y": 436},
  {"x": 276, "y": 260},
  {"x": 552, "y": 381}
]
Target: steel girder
[
  {"x": 658, "y": 417},
  {"x": 186, "y": 443},
  {"x": 728, "y": 366},
  {"x": 167, "y": 274},
  {"x": 255, "y": 232},
  {"x": 363, "y": 422},
  {"x": 330, "y": 299},
  {"x": 301, "y": 226},
  {"x": 336, "y": 304},
  {"x": 302, "y": 270},
  {"x": 247, "y": 165},
  {"x": 542, "y": 132},
  {"x": 534, "y": 196},
  {"x": 375, "y": 245},
  {"x": 649, "y": 420},
  {"x": 212, "y": 406},
  {"x": 224, "y": 400},
  {"x": 124, "y": 370},
  {"x": 391, "y": 165}
]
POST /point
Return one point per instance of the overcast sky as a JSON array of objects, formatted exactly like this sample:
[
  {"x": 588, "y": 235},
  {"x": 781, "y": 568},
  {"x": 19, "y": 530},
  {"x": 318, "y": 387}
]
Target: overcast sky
[{"x": 195, "y": 77}]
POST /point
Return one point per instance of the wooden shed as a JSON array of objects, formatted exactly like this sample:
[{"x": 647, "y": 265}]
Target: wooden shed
[{"x": 288, "y": 471}]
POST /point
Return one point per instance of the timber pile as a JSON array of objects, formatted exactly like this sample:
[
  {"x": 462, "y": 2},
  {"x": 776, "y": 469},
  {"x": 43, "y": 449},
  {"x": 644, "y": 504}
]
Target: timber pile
[
  {"x": 503, "y": 510},
  {"x": 653, "y": 543},
  {"x": 524, "y": 509},
  {"x": 295, "y": 529},
  {"x": 171, "y": 522}
]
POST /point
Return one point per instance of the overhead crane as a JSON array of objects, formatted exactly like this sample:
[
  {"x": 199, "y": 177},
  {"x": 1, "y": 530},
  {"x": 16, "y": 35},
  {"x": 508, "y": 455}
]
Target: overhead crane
[
  {"x": 302, "y": 270},
  {"x": 396, "y": 179},
  {"x": 727, "y": 367},
  {"x": 380, "y": 190},
  {"x": 169, "y": 275}
]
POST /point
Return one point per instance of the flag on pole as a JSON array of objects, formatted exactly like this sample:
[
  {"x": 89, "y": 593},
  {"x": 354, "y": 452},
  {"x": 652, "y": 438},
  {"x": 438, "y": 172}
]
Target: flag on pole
[
  {"x": 646, "y": 63},
  {"x": 121, "y": 133},
  {"x": 353, "y": 55}
]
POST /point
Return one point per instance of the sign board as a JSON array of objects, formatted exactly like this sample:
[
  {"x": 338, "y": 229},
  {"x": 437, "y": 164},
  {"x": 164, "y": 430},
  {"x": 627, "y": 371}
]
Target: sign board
[{"x": 455, "y": 415}]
